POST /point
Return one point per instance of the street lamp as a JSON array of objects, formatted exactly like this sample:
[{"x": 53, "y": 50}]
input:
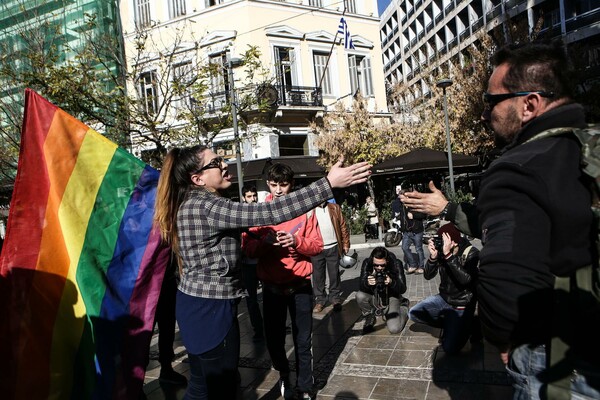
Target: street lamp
[
  {"x": 444, "y": 83},
  {"x": 231, "y": 64}
]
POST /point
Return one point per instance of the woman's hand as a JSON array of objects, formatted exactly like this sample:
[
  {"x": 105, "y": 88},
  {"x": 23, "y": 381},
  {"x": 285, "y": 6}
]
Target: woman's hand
[{"x": 341, "y": 177}]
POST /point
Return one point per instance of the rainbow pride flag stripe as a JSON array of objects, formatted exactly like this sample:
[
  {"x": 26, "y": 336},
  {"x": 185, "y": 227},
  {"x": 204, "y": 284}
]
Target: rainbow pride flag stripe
[{"x": 81, "y": 265}]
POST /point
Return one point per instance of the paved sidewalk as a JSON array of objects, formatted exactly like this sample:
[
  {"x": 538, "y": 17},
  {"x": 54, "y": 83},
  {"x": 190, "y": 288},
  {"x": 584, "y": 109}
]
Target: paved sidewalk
[{"x": 348, "y": 365}]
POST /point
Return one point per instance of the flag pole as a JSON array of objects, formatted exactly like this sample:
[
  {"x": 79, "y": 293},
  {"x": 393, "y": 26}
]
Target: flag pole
[{"x": 330, "y": 52}]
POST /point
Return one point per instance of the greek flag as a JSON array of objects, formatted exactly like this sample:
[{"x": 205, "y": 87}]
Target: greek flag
[{"x": 343, "y": 30}]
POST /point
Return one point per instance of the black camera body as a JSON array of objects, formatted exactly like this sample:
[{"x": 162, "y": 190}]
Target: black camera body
[
  {"x": 380, "y": 280},
  {"x": 438, "y": 243},
  {"x": 380, "y": 287}
]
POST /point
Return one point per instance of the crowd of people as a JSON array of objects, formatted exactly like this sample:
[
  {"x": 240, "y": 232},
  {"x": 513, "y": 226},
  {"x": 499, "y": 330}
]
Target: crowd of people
[{"x": 533, "y": 216}]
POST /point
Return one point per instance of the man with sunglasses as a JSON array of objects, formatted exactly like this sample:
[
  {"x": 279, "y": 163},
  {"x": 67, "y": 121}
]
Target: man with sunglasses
[
  {"x": 381, "y": 285},
  {"x": 534, "y": 218}
]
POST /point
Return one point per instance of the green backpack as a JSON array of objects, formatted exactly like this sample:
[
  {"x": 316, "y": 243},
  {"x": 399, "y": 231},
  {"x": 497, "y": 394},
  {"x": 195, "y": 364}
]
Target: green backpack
[{"x": 577, "y": 297}]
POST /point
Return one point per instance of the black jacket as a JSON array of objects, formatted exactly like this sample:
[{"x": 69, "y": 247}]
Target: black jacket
[
  {"x": 414, "y": 225},
  {"x": 535, "y": 218},
  {"x": 458, "y": 274},
  {"x": 394, "y": 269}
]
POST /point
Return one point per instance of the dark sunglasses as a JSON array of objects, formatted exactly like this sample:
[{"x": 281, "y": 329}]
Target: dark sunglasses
[
  {"x": 216, "y": 162},
  {"x": 379, "y": 265},
  {"x": 490, "y": 100}
]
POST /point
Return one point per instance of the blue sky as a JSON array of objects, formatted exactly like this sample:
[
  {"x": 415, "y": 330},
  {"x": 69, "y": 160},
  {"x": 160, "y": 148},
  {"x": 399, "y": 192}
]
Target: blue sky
[{"x": 382, "y": 4}]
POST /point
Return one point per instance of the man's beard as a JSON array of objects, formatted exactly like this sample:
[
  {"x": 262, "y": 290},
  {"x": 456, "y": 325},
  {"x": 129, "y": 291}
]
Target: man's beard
[{"x": 511, "y": 127}]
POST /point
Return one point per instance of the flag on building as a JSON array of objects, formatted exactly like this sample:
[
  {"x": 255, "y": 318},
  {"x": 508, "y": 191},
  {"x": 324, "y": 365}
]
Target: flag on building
[
  {"x": 345, "y": 32},
  {"x": 81, "y": 265}
]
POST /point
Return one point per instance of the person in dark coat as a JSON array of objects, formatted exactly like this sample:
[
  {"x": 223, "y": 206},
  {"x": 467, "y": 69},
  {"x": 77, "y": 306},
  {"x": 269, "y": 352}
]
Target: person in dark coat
[
  {"x": 381, "y": 285},
  {"x": 535, "y": 221},
  {"x": 453, "y": 308}
]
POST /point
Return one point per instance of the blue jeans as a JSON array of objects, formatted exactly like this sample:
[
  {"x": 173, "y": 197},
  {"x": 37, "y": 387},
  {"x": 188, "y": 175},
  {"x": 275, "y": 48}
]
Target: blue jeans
[
  {"x": 526, "y": 365},
  {"x": 275, "y": 308},
  {"x": 214, "y": 374},
  {"x": 409, "y": 238},
  {"x": 434, "y": 311}
]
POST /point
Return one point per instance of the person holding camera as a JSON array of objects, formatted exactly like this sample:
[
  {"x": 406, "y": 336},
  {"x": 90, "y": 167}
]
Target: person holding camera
[
  {"x": 453, "y": 308},
  {"x": 382, "y": 283}
]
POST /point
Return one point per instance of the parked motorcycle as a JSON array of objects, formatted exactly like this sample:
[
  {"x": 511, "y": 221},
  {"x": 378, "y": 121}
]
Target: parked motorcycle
[{"x": 393, "y": 236}]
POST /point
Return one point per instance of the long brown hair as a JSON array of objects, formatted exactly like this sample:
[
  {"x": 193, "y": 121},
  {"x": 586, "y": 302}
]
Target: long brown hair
[{"x": 173, "y": 185}]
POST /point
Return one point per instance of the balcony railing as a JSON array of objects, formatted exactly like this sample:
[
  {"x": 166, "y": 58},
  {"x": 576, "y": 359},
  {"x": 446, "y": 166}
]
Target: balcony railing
[
  {"x": 584, "y": 20},
  {"x": 307, "y": 96}
]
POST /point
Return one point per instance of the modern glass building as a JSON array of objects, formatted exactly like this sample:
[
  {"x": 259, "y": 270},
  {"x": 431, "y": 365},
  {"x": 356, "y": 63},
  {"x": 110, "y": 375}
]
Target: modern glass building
[{"x": 415, "y": 33}]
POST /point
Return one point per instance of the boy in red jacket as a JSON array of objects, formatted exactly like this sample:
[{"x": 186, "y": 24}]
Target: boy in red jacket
[{"x": 284, "y": 266}]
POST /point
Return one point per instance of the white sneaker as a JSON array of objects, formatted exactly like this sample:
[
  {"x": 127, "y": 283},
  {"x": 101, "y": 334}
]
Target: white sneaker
[{"x": 286, "y": 389}]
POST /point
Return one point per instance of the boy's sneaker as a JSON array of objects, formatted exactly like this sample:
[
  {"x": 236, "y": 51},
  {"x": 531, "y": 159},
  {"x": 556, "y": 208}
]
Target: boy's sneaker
[{"x": 286, "y": 388}]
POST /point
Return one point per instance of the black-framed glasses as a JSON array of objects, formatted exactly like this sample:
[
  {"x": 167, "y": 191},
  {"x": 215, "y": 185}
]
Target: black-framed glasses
[
  {"x": 216, "y": 162},
  {"x": 490, "y": 100}
]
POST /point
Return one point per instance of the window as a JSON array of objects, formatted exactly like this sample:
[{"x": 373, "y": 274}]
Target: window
[
  {"x": 142, "y": 13},
  {"x": 322, "y": 75},
  {"x": 181, "y": 80},
  {"x": 176, "y": 8},
  {"x": 148, "y": 92},
  {"x": 350, "y": 6},
  {"x": 285, "y": 66},
  {"x": 210, "y": 3},
  {"x": 315, "y": 3},
  {"x": 360, "y": 75},
  {"x": 219, "y": 82}
]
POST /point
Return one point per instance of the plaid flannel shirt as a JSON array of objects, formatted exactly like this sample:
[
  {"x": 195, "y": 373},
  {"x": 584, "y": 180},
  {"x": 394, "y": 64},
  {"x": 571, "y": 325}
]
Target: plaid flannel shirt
[{"x": 209, "y": 229}]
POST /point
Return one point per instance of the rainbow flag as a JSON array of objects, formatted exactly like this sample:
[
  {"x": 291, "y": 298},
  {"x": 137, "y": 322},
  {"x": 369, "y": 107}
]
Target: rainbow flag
[{"x": 81, "y": 266}]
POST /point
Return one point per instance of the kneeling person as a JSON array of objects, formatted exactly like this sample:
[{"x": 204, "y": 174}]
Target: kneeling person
[
  {"x": 453, "y": 308},
  {"x": 382, "y": 283}
]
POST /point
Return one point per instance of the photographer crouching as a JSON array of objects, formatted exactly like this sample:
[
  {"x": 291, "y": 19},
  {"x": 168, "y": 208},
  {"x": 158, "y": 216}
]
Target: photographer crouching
[
  {"x": 453, "y": 308},
  {"x": 382, "y": 283}
]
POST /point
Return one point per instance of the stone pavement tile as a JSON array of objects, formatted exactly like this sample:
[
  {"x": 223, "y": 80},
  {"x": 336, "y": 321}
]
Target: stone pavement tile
[
  {"x": 411, "y": 359},
  {"x": 397, "y": 389},
  {"x": 416, "y": 343},
  {"x": 378, "y": 342},
  {"x": 348, "y": 387},
  {"x": 368, "y": 357}
]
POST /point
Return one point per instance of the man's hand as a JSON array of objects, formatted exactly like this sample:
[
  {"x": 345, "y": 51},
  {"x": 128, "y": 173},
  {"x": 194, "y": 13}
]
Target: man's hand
[
  {"x": 371, "y": 280},
  {"x": 286, "y": 239},
  {"x": 448, "y": 244},
  {"x": 388, "y": 280},
  {"x": 428, "y": 203}
]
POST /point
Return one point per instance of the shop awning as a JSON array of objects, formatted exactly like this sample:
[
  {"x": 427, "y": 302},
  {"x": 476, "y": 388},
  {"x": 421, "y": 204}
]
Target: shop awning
[
  {"x": 423, "y": 159},
  {"x": 303, "y": 166}
]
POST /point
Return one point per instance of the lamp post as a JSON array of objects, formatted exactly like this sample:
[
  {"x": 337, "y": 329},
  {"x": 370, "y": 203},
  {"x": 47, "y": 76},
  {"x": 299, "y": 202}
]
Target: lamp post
[
  {"x": 232, "y": 63},
  {"x": 444, "y": 83}
]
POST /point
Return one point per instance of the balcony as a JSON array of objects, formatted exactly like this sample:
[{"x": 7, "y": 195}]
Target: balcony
[
  {"x": 303, "y": 96},
  {"x": 583, "y": 20}
]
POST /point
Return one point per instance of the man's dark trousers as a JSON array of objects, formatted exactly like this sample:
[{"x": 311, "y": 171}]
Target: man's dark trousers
[{"x": 326, "y": 262}]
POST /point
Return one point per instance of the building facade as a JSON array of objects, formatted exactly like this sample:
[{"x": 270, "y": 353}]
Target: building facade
[
  {"x": 307, "y": 72},
  {"x": 415, "y": 33}
]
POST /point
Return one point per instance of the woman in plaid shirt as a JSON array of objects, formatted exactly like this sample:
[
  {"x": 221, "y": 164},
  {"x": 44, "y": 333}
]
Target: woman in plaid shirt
[{"x": 204, "y": 229}]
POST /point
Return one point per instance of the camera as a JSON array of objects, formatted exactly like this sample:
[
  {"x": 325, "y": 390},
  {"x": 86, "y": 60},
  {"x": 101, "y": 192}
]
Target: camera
[
  {"x": 380, "y": 280},
  {"x": 438, "y": 243},
  {"x": 380, "y": 277}
]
